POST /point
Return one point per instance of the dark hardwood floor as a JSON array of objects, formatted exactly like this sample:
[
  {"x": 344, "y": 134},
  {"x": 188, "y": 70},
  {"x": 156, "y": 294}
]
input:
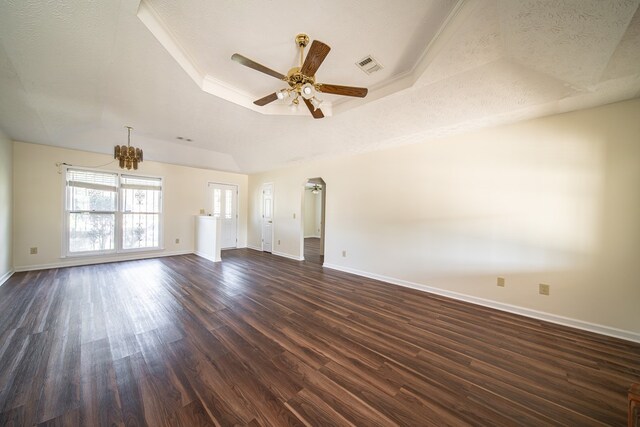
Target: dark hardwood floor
[
  {"x": 312, "y": 250},
  {"x": 263, "y": 340}
]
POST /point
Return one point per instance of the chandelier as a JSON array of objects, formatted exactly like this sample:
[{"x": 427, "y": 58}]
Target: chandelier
[{"x": 128, "y": 156}]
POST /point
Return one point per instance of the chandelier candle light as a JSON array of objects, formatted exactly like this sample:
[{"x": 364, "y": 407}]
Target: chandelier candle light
[{"x": 128, "y": 156}]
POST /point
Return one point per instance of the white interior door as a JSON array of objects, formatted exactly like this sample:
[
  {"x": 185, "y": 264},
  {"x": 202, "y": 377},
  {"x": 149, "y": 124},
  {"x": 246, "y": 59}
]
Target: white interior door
[
  {"x": 224, "y": 200},
  {"x": 267, "y": 217}
]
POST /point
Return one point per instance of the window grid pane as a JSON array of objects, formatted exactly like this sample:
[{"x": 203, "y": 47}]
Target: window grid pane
[
  {"x": 91, "y": 232},
  {"x": 89, "y": 199},
  {"x": 136, "y": 200},
  {"x": 217, "y": 195},
  {"x": 140, "y": 230},
  {"x": 228, "y": 195}
]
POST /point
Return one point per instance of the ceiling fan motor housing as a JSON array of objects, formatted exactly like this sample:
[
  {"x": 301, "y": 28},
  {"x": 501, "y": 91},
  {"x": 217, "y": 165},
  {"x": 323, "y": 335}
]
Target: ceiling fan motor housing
[{"x": 295, "y": 77}]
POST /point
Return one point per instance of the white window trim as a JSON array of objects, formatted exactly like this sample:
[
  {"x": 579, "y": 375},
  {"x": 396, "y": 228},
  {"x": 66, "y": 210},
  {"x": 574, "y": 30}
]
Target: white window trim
[{"x": 118, "y": 218}]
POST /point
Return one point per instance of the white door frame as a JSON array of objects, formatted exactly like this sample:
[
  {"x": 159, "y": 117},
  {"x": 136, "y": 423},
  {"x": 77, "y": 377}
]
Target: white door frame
[
  {"x": 273, "y": 210},
  {"x": 210, "y": 203}
]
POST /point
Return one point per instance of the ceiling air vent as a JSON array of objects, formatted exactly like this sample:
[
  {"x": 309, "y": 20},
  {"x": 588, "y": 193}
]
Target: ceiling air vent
[{"x": 369, "y": 65}]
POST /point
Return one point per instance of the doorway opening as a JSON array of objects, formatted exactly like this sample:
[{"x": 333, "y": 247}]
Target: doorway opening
[
  {"x": 313, "y": 219},
  {"x": 267, "y": 217}
]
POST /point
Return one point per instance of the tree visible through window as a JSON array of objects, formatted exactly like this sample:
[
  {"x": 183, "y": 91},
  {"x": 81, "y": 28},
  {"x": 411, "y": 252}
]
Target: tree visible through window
[{"x": 91, "y": 207}]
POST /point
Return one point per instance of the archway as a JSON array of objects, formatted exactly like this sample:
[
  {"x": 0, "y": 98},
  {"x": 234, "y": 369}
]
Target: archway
[{"x": 313, "y": 220}]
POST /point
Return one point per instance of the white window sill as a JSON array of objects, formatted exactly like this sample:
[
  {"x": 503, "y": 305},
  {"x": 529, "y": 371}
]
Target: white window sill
[{"x": 113, "y": 254}]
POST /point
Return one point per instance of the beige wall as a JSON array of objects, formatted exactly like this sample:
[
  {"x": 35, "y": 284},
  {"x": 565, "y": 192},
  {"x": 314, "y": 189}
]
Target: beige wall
[
  {"x": 38, "y": 193},
  {"x": 554, "y": 200},
  {"x": 6, "y": 205}
]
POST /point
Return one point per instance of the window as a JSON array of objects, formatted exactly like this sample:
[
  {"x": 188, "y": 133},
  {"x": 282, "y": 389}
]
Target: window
[
  {"x": 91, "y": 206},
  {"x": 228, "y": 204},
  {"x": 217, "y": 195},
  {"x": 140, "y": 212},
  {"x": 108, "y": 212}
]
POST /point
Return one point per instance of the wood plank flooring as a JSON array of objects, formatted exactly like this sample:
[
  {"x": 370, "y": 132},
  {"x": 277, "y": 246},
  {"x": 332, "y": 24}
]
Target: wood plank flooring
[
  {"x": 263, "y": 340},
  {"x": 312, "y": 250}
]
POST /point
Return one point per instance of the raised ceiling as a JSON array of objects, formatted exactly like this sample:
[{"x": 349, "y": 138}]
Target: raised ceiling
[
  {"x": 73, "y": 73},
  {"x": 202, "y": 36}
]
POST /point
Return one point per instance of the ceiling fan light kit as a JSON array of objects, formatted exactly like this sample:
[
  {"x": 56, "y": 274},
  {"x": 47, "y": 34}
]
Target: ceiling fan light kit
[
  {"x": 301, "y": 80},
  {"x": 315, "y": 102},
  {"x": 307, "y": 91}
]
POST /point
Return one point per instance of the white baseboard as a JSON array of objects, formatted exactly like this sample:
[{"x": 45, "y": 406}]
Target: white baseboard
[
  {"x": 282, "y": 254},
  {"x": 293, "y": 257},
  {"x": 540, "y": 315},
  {"x": 66, "y": 262},
  {"x": 209, "y": 257},
  {"x": 6, "y": 276}
]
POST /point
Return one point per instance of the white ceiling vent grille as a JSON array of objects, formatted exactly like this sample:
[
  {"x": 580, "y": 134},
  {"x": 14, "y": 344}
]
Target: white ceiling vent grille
[{"x": 369, "y": 65}]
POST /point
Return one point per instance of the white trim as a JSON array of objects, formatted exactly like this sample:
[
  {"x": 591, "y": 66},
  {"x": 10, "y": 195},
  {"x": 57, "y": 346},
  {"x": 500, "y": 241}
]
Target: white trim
[
  {"x": 6, "y": 276},
  {"x": 209, "y": 257},
  {"x": 255, "y": 248},
  {"x": 535, "y": 314},
  {"x": 99, "y": 260},
  {"x": 293, "y": 257}
]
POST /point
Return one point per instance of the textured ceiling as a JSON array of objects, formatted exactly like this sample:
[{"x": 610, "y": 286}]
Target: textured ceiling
[
  {"x": 73, "y": 73},
  {"x": 202, "y": 36}
]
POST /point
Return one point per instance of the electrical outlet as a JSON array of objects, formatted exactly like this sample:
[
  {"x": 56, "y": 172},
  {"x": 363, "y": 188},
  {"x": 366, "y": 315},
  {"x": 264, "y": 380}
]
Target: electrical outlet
[
  {"x": 344, "y": 254},
  {"x": 201, "y": 211},
  {"x": 544, "y": 289},
  {"x": 294, "y": 216},
  {"x": 33, "y": 251},
  {"x": 500, "y": 282},
  {"x": 278, "y": 241},
  {"x": 177, "y": 240}
]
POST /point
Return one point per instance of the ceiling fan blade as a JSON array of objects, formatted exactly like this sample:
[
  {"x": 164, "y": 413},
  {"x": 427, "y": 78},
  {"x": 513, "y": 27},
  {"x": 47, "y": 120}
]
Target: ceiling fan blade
[
  {"x": 267, "y": 99},
  {"x": 258, "y": 67},
  {"x": 316, "y": 113},
  {"x": 360, "y": 92},
  {"x": 315, "y": 56}
]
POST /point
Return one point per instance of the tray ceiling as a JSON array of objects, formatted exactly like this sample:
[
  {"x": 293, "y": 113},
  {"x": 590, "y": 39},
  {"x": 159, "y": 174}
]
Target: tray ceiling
[{"x": 73, "y": 73}]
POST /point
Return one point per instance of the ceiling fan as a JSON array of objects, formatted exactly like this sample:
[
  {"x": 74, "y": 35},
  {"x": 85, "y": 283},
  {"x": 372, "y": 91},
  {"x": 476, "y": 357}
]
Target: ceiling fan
[{"x": 302, "y": 79}]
